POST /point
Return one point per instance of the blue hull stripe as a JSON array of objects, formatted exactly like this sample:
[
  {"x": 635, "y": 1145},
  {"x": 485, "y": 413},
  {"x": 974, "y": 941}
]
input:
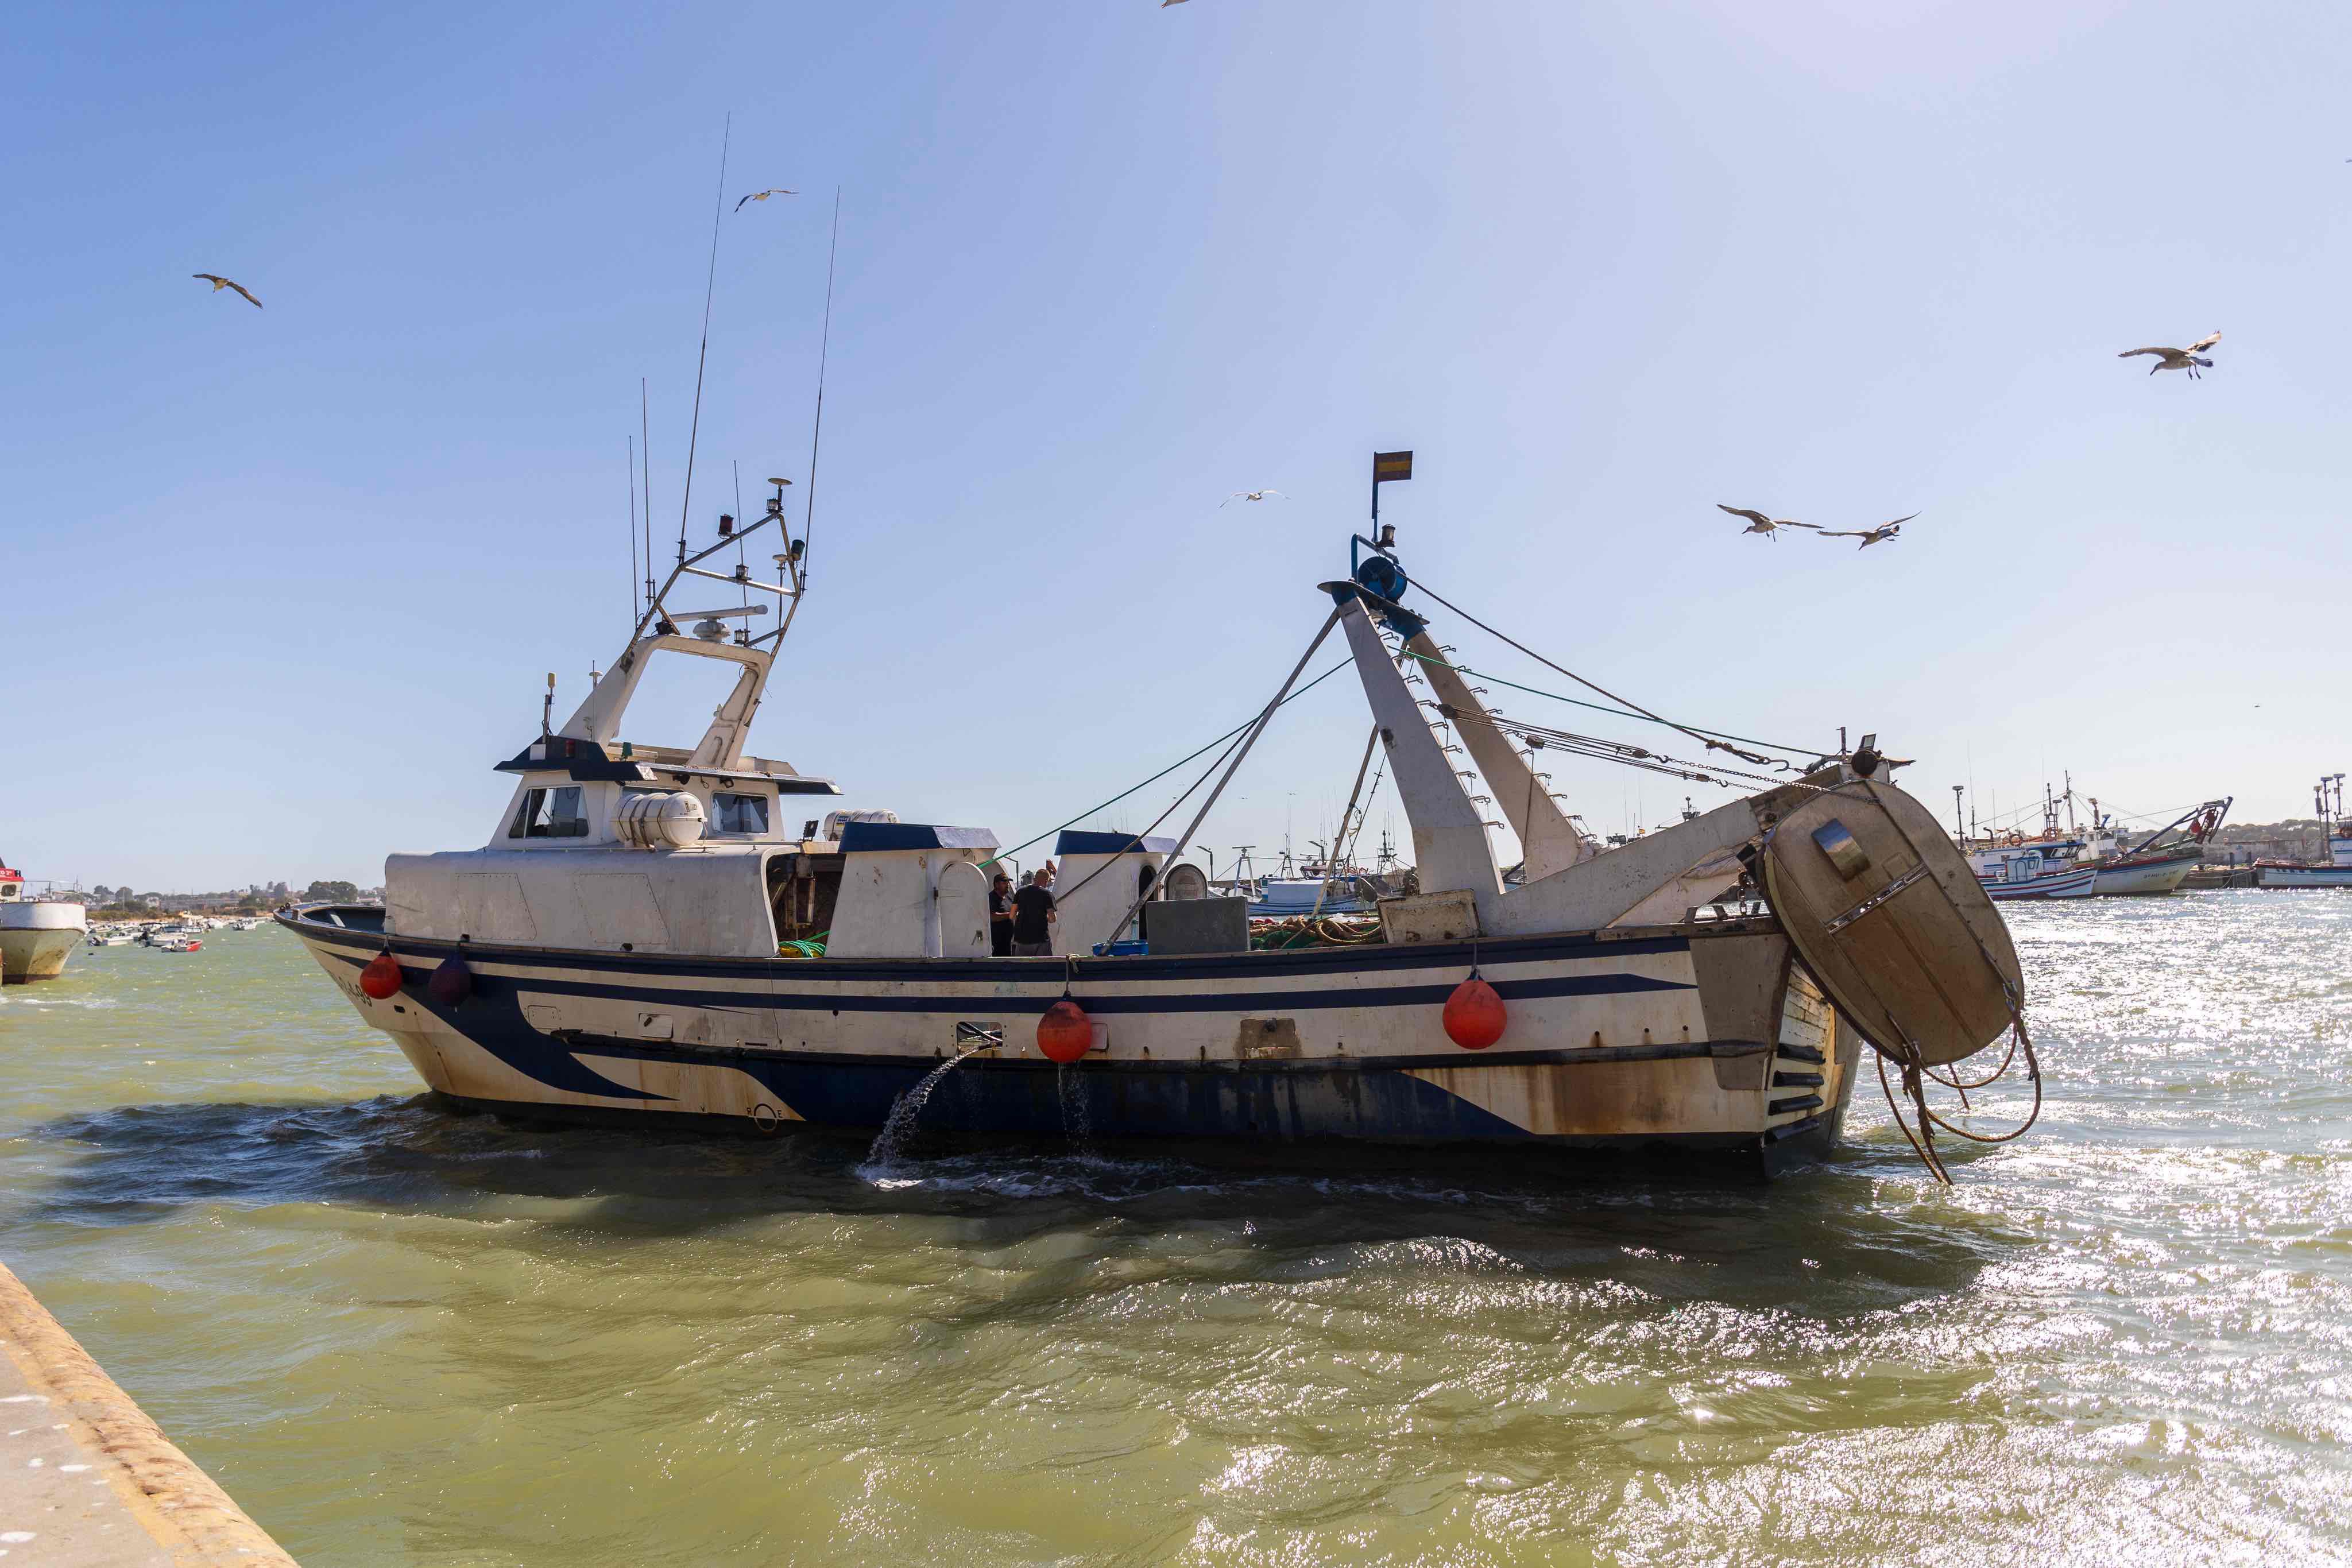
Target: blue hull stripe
[
  {"x": 1202, "y": 967},
  {"x": 1102, "y": 1002}
]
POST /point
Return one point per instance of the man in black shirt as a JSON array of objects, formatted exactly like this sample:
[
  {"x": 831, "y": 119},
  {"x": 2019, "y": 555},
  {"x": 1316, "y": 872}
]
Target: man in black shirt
[
  {"x": 999, "y": 916},
  {"x": 1033, "y": 913}
]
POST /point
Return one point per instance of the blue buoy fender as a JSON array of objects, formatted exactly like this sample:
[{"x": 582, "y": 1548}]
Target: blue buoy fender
[{"x": 451, "y": 983}]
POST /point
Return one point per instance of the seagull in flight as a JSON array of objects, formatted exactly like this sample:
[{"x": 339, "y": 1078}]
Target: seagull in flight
[
  {"x": 220, "y": 283},
  {"x": 763, "y": 195},
  {"x": 2187, "y": 358},
  {"x": 1757, "y": 523},
  {"x": 1868, "y": 536},
  {"x": 1241, "y": 495}
]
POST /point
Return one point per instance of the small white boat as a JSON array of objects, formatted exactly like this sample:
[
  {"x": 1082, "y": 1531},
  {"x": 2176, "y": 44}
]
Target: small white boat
[{"x": 2009, "y": 872}]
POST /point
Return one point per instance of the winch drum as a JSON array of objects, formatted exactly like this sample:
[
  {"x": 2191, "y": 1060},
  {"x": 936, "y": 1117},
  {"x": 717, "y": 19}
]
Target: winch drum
[{"x": 1891, "y": 920}]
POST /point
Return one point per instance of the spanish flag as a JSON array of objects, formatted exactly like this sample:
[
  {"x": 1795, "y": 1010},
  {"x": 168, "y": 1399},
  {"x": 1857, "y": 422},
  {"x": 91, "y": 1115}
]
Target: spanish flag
[{"x": 1387, "y": 466}]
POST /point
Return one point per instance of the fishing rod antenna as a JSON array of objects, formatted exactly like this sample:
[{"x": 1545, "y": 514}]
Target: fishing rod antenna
[
  {"x": 824, "y": 348},
  {"x": 709, "y": 286}
]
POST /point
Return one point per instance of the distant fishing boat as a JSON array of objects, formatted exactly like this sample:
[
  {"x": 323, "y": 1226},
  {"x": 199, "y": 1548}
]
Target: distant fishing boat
[
  {"x": 645, "y": 937},
  {"x": 2049, "y": 864},
  {"x": 2327, "y": 804}
]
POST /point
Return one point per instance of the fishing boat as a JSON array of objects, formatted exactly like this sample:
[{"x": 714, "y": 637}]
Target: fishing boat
[
  {"x": 645, "y": 938},
  {"x": 2014, "y": 872},
  {"x": 2160, "y": 862},
  {"x": 37, "y": 934},
  {"x": 2052, "y": 863},
  {"x": 2327, "y": 804}
]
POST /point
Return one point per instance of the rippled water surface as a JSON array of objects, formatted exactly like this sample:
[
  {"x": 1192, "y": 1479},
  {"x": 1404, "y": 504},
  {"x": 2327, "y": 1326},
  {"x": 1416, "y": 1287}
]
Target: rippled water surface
[{"x": 400, "y": 1336}]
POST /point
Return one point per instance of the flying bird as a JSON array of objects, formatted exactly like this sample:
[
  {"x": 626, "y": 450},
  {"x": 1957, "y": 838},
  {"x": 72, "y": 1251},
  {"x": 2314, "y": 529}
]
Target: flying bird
[
  {"x": 1757, "y": 523},
  {"x": 1868, "y": 536},
  {"x": 1165, "y": 3},
  {"x": 1240, "y": 495},
  {"x": 2187, "y": 358},
  {"x": 220, "y": 283},
  {"x": 763, "y": 195}
]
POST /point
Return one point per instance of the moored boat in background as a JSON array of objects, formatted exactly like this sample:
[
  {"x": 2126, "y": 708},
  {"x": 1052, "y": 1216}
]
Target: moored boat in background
[
  {"x": 37, "y": 935},
  {"x": 2336, "y": 871}
]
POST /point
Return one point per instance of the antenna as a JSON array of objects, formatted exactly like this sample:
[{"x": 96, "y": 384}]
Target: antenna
[
  {"x": 743, "y": 561},
  {"x": 824, "y": 345},
  {"x": 647, "y": 446},
  {"x": 633, "y": 532},
  {"x": 709, "y": 286}
]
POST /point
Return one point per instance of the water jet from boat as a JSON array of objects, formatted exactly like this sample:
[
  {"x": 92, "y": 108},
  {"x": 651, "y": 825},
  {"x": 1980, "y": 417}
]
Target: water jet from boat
[{"x": 900, "y": 1126}]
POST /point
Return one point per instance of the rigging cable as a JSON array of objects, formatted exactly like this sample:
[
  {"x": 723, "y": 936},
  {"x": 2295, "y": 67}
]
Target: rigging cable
[
  {"x": 1615, "y": 712},
  {"x": 1164, "y": 773},
  {"x": 1699, "y": 736},
  {"x": 823, "y": 346}
]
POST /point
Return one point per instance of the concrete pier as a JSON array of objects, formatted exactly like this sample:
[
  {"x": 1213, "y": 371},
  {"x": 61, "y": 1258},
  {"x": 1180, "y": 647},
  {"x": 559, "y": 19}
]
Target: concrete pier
[{"x": 87, "y": 1480}]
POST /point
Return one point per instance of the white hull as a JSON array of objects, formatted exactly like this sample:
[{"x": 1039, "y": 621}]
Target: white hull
[
  {"x": 2303, "y": 876},
  {"x": 2160, "y": 876},
  {"x": 35, "y": 939},
  {"x": 2078, "y": 883}
]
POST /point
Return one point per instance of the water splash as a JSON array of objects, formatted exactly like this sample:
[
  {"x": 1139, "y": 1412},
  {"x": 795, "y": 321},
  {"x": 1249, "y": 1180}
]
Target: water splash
[
  {"x": 1078, "y": 1121},
  {"x": 882, "y": 1159}
]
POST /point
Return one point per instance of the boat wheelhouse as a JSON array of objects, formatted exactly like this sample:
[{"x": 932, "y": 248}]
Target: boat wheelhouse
[{"x": 655, "y": 932}]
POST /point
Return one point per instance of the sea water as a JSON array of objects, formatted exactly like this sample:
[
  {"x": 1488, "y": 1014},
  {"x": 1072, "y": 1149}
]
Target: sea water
[{"x": 402, "y": 1336}]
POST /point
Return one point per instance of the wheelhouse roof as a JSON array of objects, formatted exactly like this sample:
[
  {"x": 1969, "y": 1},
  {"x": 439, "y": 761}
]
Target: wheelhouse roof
[{"x": 587, "y": 762}]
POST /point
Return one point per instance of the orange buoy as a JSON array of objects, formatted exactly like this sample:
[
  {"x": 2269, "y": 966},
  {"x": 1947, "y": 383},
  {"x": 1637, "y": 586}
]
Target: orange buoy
[
  {"x": 1066, "y": 1034},
  {"x": 381, "y": 977},
  {"x": 1474, "y": 1015}
]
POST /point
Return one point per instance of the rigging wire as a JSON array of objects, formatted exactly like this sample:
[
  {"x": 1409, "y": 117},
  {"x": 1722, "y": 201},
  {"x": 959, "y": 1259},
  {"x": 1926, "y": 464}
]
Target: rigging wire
[
  {"x": 645, "y": 472},
  {"x": 1628, "y": 755},
  {"x": 1702, "y": 737},
  {"x": 1619, "y": 712},
  {"x": 1164, "y": 773},
  {"x": 824, "y": 348}
]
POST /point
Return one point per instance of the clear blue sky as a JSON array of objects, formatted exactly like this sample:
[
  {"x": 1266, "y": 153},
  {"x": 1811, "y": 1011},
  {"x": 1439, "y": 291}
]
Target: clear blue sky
[{"x": 284, "y": 583}]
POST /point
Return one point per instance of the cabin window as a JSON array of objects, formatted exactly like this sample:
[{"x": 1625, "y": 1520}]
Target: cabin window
[
  {"x": 738, "y": 813},
  {"x": 550, "y": 814}
]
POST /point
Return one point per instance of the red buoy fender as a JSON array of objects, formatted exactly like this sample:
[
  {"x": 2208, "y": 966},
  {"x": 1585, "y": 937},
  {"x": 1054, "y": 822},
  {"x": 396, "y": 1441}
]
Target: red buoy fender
[
  {"x": 1474, "y": 1015},
  {"x": 1066, "y": 1034},
  {"x": 381, "y": 977},
  {"x": 451, "y": 983}
]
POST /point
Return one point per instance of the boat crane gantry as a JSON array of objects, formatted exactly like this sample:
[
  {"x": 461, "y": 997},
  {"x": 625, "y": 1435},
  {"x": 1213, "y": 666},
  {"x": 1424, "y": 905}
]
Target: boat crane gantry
[{"x": 598, "y": 717}]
